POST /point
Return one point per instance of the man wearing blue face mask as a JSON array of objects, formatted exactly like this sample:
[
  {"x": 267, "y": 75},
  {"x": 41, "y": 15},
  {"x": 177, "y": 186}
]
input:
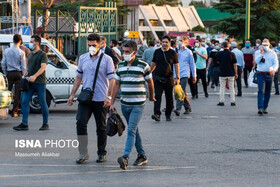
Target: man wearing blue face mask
[
  {"x": 249, "y": 57},
  {"x": 267, "y": 65},
  {"x": 215, "y": 67}
]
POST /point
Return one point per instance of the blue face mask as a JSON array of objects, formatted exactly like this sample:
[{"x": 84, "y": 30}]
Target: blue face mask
[
  {"x": 247, "y": 45},
  {"x": 31, "y": 46},
  {"x": 217, "y": 47}
]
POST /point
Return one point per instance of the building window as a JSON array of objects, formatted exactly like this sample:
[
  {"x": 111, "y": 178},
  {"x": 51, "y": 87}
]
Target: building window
[
  {"x": 169, "y": 23},
  {"x": 154, "y": 22}
]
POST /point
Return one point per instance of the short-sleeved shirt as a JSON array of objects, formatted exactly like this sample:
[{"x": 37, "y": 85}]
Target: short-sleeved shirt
[
  {"x": 200, "y": 62},
  {"x": 164, "y": 62},
  {"x": 226, "y": 60},
  {"x": 132, "y": 79},
  {"x": 213, "y": 55},
  {"x": 34, "y": 64},
  {"x": 248, "y": 55},
  {"x": 86, "y": 70}
]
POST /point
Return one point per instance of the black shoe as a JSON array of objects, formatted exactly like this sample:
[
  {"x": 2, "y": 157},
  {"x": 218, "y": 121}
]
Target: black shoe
[
  {"x": 239, "y": 95},
  {"x": 265, "y": 111},
  {"x": 277, "y": 93},
  {"x": 246, "y": 86},
  {"x": 206, "y": 95},
  {"x": 21, "y": 127},
  {"x": 44, "y": 127},
  {"x": 187, "y": 111},
  {"x": 177, "y": 112},
  {"x": 196, "y": 96},
  {"x": 212, "y": 86},
  {"x": 82, "y": 158},
  {"x": 168, "y": 118},
  {"x": 141, "y": 160},
  {"x": 232, "y": 104},
  {"x": 221, "y": 104},
  {"x": 101, "y": 159},
  {"x": 123, "y": 162},
  {"x": 156, "y": 117},
  {"x": 260, "y": 112}
]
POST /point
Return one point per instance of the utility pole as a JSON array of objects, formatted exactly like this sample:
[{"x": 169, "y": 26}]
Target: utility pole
[{"x": 247, "y": 23}]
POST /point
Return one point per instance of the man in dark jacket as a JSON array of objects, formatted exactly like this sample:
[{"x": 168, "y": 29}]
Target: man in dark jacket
[{"x": 107, "y": 50}]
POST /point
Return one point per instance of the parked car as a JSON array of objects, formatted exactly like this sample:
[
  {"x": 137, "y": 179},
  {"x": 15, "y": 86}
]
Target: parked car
[
  {"x": 5, "y": 97},
  {"x": 59, "y": 72}
]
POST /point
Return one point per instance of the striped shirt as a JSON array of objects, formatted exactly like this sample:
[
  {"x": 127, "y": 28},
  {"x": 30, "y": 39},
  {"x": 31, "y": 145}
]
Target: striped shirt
[{"x": 132, "y": 79}]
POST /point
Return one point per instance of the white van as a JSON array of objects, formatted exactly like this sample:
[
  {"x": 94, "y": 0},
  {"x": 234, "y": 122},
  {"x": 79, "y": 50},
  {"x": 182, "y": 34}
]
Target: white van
[{"x": 59, "y": 72}]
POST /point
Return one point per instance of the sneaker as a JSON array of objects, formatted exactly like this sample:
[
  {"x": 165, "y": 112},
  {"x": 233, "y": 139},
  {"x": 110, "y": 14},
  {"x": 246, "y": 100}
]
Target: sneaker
[
  {"x": 168, "y": 118},
  {"x": 140, "y": 161},
  {"x": 177, "y": 112},
  {"x": 156, "y": 117},
  {"x": 213, "y": 86},
  {"x": 221, "y": 104},
  {"x": 239, "y": 95},
  {"x": 187, "y": 111},
  {"x": 82, "y": 158},
  {"x": 265, "y": 111},
  {"x": 232, "y": 104},
  {"x": 260, "y": 112},
  {"x": 277, "y": 93},
  {"x": 123, "y": 162},
  {"x": 21, "y": 127},
  {"x": 206, "y": 95},
  {"x": 44, "y": 127},
  {"x": 101, "y": 159}
]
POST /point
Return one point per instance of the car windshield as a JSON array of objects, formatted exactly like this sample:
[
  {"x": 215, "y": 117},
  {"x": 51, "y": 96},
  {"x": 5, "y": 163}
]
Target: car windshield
[{"x": 2, "y": 82}]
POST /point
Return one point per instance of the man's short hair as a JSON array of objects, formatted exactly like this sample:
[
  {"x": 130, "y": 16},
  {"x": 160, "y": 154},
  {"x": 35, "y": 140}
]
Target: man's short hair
[
  {"x": 273, "y": 44},
  {"x": 166, "y": 37},
  {"x": 114, "y": 42},
  {"x": 216, "y": 41},
  {"x": 103, "y": 38},
  {"x": 130, "y": 44},
  {"x": 173, "y": 42},
  {"x": 185, "y": 38},
  {"x": 199, "y": 39},
  {"x": 94, "y": 37},
  {"x": 225, "y": 44},
  {"x": 17, "y": 38},
  {"x": 36, "y": 38},
  {"x": 248, "y": 40},
  {"x": 152, "y": 43}
]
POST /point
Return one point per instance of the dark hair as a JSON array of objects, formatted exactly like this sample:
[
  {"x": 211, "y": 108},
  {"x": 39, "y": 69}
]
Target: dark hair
[
  {"x": 216, "y": 41},
  {"x": 17, "y": 38},
  {"x": 130, "y": 44},
  {"x": 152, "y": 43},
  {"x": 198, "y": 39},
  {"x": 225, "y": 44},
  {"x": 103, "y": 38},
  {"x": 172, "y": 42},
  {"x": 94, "y": 37},
  {"x": 114, "y": 42},
  {"x": 273, "y": 44},
  {"x": 36, "y": 38},
  {"x": 248, "y": 40},
  {"x": 166, "y": 37}
]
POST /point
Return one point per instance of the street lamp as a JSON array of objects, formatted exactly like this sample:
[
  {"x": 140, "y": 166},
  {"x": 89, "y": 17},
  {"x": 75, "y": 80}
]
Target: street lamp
[{"x": 247, "y": 23}]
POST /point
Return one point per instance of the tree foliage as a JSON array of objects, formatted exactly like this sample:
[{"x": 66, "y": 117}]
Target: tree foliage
[
  {"x": 163, "y": 2},
  {"x": 197, "y": 4},
  {"x": 265, "y": 18},
  {"x": 199, "y": 28}
]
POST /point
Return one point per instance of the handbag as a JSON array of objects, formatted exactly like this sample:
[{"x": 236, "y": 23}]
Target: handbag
[
  {"x": 115, "y": 124},
  {"x": 86, "y": 95},
  {"x": 24, "y": 84}
]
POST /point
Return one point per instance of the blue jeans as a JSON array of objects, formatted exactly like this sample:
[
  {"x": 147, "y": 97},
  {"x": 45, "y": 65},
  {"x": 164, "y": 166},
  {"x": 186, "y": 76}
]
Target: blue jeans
[
  {"x": 263, "y": 98},
  {"x": 186, "y": 102},
  {"x": 276, "y": 77},
  {"x": 133, "y": 116},
  {"x": 40, "y": 89}
]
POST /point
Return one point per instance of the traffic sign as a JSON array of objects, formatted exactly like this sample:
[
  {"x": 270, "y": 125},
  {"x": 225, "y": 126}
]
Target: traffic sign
[{"x": 133, "y": 34}]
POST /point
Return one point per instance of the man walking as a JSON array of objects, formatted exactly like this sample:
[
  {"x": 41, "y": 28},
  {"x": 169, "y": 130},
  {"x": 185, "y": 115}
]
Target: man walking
[
  {"x": 107, "y": 50},
  {"x": 249, "y": 57},
  {"x": 228, "y": 67},
  {"x": 201, "y": 65},
  {"x": 187, "y": 65},
  {"x": 215, "y": 66},
  {"x": 149, "y": 53},
  {"x": 240, "y": 66},
  {"x": 37, "y": 63},
  {"x": 130, "y": 77},
  {"x": 14, "y": 67},
  {"x": 267, "y": 65},
  {"x": 276, "y": 76},
  {"x": 162, "y": 67},
  {"x": 101, "y": 99}
]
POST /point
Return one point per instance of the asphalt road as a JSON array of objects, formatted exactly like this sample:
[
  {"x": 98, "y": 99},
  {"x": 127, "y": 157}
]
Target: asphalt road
[{"x": 212, "y": 146}]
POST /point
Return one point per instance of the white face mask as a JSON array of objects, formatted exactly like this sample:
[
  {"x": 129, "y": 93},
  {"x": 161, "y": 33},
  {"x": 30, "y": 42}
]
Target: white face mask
[
  {"x": 257, "y": 45},
  {"x": 196, "y": 44},
  {"x": 92, "y": 50},
  {"x": 128, "y": 58},
  {"x": 265, "y": 48},
  {"x": 203, "y": 44}
]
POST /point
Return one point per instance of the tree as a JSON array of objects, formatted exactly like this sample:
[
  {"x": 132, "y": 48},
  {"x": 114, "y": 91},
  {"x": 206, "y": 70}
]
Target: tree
[
  {"x": 197, "y": 4},
  {"x": 163, "y": 2},
  {"x": 199, "y": 28},
  {"x": 265, "y": 18}
]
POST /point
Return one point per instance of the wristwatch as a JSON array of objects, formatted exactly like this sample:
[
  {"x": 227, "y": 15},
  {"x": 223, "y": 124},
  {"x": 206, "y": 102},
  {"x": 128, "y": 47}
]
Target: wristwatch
[{"x": 109, "y": 97}]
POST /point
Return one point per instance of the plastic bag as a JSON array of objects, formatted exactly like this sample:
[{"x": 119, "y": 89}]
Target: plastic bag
[
  {"x": 251, "y": 81},
  {"x": 179, "y": 92}
]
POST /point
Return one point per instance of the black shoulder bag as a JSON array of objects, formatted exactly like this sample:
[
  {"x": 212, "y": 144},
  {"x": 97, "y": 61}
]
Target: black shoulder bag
[
  {"x": 86, "y": 95},
  {"x": 165, "y": 79}
]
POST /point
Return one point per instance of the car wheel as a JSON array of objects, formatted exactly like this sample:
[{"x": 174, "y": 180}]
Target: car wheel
[{"x": 34, "y": 103}]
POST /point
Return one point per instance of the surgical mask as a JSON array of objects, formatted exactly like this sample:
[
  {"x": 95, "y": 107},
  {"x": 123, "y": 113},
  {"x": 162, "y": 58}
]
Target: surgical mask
[
  {"x": 92, "y": 50},
  {"x": 217, "y": 47},
  {"x": 31, "y": 46},
  {"x": 265, "y": 48},
  {"x": 247, "y": 45},
  {"x": 196, "y": 44},
  {"x": 259, "y": 45},
  {"x": 128, "y": 58},
  {"x": 203, "y": 44},
  {"x": 180, "y": 44}
]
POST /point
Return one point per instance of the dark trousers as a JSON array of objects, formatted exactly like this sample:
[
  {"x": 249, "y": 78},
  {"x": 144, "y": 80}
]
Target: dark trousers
[
  {"x": 83, "y": 116},
  {"x": 238, "y": 80},
  {"x": 264, "y": 89},
  {"x": 246, "y": 70},
  {"x": 201, "y": 74},
  {"x": 215, "y": 76},
  {"x": 14, "y": 78},
  {"x": 192, "y": 86},
  {"x": 276, "y": 77},
  {"x": 186, "y": 102},
  {"x": 168, "y": 89}
]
